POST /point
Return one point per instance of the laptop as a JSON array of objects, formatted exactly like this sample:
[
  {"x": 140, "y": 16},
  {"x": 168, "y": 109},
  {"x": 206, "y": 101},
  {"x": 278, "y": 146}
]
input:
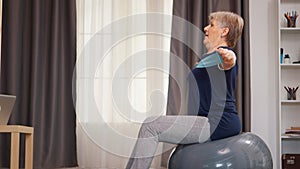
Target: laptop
[{"x": 6, "y": 105}]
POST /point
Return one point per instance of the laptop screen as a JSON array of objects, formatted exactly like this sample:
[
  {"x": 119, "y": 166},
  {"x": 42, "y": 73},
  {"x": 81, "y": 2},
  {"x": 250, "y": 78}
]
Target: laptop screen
[{"x": 6, "y": 105}]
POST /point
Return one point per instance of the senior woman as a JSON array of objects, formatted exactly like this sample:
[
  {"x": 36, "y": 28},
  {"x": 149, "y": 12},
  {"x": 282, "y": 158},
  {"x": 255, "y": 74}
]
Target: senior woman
[{"x": 221, "y": 35}]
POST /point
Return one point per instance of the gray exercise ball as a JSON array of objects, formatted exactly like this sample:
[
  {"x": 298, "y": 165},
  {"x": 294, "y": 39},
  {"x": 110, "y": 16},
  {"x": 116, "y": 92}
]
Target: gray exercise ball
[{"x": 243, "y": 151}]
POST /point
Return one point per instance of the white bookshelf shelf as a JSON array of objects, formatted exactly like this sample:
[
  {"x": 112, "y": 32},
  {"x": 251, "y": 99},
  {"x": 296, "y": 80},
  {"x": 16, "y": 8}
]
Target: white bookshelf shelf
[
  {"x": 290, "y": 65},
  {"x": 286, "y": 137},
  {"x": 290, "y": 29},
  {"x": 290, "y": 101}
]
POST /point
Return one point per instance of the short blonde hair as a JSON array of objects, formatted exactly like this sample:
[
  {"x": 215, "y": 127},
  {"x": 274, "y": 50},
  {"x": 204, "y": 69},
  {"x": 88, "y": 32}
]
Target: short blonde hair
[{"x": 233, "y": 22}]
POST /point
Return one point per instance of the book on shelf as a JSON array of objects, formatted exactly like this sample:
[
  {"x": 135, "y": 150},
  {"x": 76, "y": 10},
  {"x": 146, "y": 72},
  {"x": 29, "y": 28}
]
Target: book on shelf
[
  {"x": 290, "y": 136},
  {"x": 289, "y": 131},
  {"x": 292, "y": 132},
  {"x": 295, "y": 128}
]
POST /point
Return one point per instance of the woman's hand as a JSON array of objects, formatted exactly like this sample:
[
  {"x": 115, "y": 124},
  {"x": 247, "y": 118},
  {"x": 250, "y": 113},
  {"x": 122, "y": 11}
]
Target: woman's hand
[{"x": 228, "y": 56}]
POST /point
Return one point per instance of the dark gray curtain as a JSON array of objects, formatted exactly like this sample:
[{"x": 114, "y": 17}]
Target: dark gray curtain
[
  {"x": 197, "y": 13},
  {"x": 38, "y": 59}
]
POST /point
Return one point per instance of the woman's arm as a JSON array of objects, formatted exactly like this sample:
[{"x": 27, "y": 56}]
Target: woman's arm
[{"x": 228, "y": 56}]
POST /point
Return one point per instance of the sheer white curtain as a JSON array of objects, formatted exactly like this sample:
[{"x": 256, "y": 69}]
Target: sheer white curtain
[{"x": 128, "y": 62}]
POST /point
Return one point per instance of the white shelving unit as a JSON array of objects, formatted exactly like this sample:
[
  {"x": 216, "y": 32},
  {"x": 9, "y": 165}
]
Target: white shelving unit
[{"x": 289, "y": 75}]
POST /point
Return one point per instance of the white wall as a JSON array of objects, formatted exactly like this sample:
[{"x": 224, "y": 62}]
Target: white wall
[{"x": 264, "y": 81}]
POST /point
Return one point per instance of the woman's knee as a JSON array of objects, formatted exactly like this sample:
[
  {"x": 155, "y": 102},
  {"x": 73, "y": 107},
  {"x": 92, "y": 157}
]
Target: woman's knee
[{"x": 148, "y": 127}]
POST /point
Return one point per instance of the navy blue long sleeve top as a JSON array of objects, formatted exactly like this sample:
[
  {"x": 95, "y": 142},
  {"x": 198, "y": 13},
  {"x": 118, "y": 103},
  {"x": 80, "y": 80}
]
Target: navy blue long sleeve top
[{"x": 212, "y": 95}]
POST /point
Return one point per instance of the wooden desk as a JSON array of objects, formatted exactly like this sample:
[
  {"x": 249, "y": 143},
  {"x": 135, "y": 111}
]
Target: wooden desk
[{"x": 15, "y": 131}]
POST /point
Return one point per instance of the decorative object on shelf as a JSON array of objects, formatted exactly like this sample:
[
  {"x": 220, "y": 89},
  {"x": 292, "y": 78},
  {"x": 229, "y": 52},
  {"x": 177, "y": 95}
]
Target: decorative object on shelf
[
  {"x": 296, "y": 62},
  {"x": 291, "y": 92},
  {"x": 291, "y": 161},
  {"x": 287, "y": 59},
  {"x": 281, "y": 55},
  {"x": 291, "y": 18}
]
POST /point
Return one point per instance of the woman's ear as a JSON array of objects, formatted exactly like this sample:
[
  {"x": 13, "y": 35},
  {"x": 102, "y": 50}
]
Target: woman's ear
[{"x": 225, "y": 32}]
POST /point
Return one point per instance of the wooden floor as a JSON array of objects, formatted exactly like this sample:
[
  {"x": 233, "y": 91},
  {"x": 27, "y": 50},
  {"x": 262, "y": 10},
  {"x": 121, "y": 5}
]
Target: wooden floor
[
  {"x": 104, "y": 168},
  {"x": 95, "y": 168}
]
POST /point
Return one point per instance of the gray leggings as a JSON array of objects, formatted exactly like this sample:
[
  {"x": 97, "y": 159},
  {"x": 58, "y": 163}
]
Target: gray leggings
[{"x": 170, "y": 129}]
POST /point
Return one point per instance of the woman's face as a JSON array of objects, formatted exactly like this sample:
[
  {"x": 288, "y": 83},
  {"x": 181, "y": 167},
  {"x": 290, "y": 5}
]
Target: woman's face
[{"x": 213, "y": 35}]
